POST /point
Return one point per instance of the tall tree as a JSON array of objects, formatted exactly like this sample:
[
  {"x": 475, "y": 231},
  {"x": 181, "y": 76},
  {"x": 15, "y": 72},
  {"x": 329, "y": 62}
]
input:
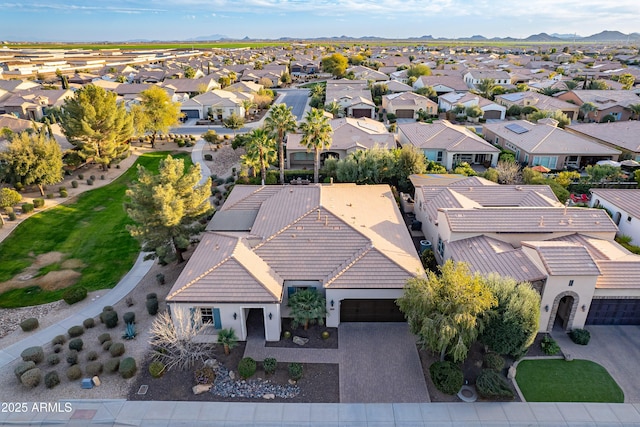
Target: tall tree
[
  {"x": 156, "y": 113},
  {"x": 33, "y": 159},
  {"x": 635, "y": 110},
  {"x": 587, "y": 108},
  {"x": 167, "y": 207},
  {"x": 281, "y": 121},
  {"x": 316, "y": 136},
  {"x": 94, "y": 123},
  {"x": 418, "y": 70},
  {"x": 262, "y": 147},
  {"x": 247, "y": 104},
  {"x": 627, "y": 81},
  {"x": 334, "y": 108},
  {"x": 233, "y": 122},
  {"x": 445, "y": 310},
  {"x": 409, "y": 160},
  {"x": 335, "y": 64},
  {"x": 486, "y": 88}
]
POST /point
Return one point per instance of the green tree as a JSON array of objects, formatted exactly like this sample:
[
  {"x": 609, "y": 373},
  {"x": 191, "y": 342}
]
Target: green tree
[
  {"x": 636, "y": 175},
  {"x": 228, "y": 339},
  {"x": 335, "y": 64},
  {"x": 627, "y": 81},
  {"x": 156, "y": 113},
  {"x": 514, "y": 111},
  {"x": 33, "y": 159},
  {"x": 565, "y": 178},
  {"x": 597, "y": 85},
  {"x": 167, "y": 207},
  {"x": 317, "y": 90},
  {"x": 486, "y": 88},
  {"x": 307, "y": 306},
  {"x": 316, "y": 136},
  {"x": 587, "y": 108},
  {"x": 570, "y": 84},
  {"x": 96, "y": 125},
  {"x": 446, "y": 310},
  {"x": 334, "y": 108},
  {"x": 427, "y": 91},
  {"x": 189, "y": 72},
  {"x": 409, "y": 161},
  {"x": 511, "y": 326},
  {"x": 285, "y": 78},
  {"x": 465, "y": 169},
  {"x": 473, "y": 111},
  {"x": 635, "y": 110},
  {"x": 549, "y": 90},
  {"x": 281, "y": 121},
  {"x": 562, "y": 119},
  {"x": 211, "y": 137},
  {"x": 418, "y": 70},
  {"x": 262, "y": 146},
  {"x": 233, "y": 122},
  {"x": 247, "y": 104},
  {"x": 8, "y": 198}
]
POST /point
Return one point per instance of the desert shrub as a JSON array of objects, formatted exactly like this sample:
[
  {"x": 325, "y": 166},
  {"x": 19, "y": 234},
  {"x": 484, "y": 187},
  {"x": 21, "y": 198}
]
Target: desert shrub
[
  {"x": 129, "y": 301},
  {"x": 22, "y": 368},
  {"x": 580, "y": 336},
  {"x": 74, "y": 373},
  {"x": 93, "y": 368},
  {"x": 160, "y": 279},
  {"x": 75, "y": 331},
  {"x": 89, "y": 323},
  {"x": 152, "y": 306},
  {"x": 29, "y": 324},
  {"x": 205, "y": 375},
  {"x": 38, "y": 203},
  {"x": 102, "y": 338},
  {"x": 57, "y": 348},
  {"x": 27, "y": 207},
  {"x": 53, "y": 359},
  {"x": 156, "y": 369},
  {"x": 12, "y": 215},
  {"x": 269, "y": 364},
  {"x": 31, "y": 378},
  {"x": 64, "y": 193},
  {"x": 491, "y": 384},
  {"x": 89, "y": 182},
  {"x": 549, "y": 346},
  {"x": 127, "y": 367},
  {"x": 92, "y": 355},
  {"x": 116, "y": 349},
  {"x": 110, "y": 319},
  {"x": 51, "y": 379},
  {"x": 247, "y": 367},
  {"x": 152, "y": 295},
  {"x": 446, "y": 376},
  {"x": 74, "y": 184},
  {"x": 73, "y": 295},
  {"x": 129, "y": 317},
  {"x": 34, "y": 354},
  {"x": 72, "y": 357},
  {"x": 112, "y": 365},
  {"x": 107, "y": 345},
  {"x": 59, "y": 339},
  {"x": 493, "y": 361},
  {"x": 80, "y": 176},
  {"x": 295, "y": 371}
]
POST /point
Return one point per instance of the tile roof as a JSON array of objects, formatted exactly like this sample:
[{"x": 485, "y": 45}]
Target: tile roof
[
  {"x": 564, "y": 258},
  {"x": 622, "y": 134},
  {"x": 618, "y": 274},
  {"x": 627, "y": 200},
  {"x": 444, "y": 135},
  {"x": 349, "y": 133}
]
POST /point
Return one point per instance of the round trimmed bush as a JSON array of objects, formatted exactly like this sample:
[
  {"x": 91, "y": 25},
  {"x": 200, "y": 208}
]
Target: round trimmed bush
[
  {"x": 74, "y": 373},
  {"x": 27, "y": 207},
  {"x": 269, "y": 364},
  {"x": 38, "y": 203},
  {"x": 493, "y": 361},
  {"x": 31, "y": 378},
  {"x": 34, "y": 354},
  {"x": 295, "y": 371},
  {"x": 112, "y": 365},
  {"x": 127, "y": 368},
  {"x": 102, "y": 338},
  {"x": 129, "y": 317},
  {"x": 93, "y": 368},
  {"x": 116, "y": 349},
  {"x": 74, "y": 184},
  {"x": 73, "y": 295},
  {"x": 29, "y": 324},
  {"x": 72, "y": 357},
  {"x": 549, "y": 345},
  {"x": 152, "y": 295},
  {"x": 80, "y": 176},
  {"x": 156, "y": 369},
  {"x": 64, "y": 193},
  {"x": 53, "y": 359},
  {"x": 89, "y": 182},
  {"x": 59, "y": 339},
  {"x": 89, "y": 323},
  {"x": 51, "y": 379},
  {"x": 447, "y": 377},
  {"x": 22, "y": 368},
  {"x": 107, "y": 308},
  {"x": 247, "y": 367},
  {"x": 152, "y": 306},
  {"x": 57, "y": 348},
  {"x": 107, "y": 345},
  {"x": 76, "y": 344},
  {"x": 491, "y": 384},
  {"x": 92, "y": 355},
  {"x": 75, "y": 331},
  {"x": 110, "y": 319},
  {"x": 580, "y": 336}
]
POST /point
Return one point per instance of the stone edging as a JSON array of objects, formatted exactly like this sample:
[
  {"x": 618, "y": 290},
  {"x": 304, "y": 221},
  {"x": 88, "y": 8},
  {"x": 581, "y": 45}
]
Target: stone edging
[{"x": 515, "y": 366}]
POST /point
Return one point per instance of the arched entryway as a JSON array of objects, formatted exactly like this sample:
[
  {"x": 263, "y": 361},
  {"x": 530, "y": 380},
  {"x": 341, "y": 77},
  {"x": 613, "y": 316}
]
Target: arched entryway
[{"x": 563, "y": 311}]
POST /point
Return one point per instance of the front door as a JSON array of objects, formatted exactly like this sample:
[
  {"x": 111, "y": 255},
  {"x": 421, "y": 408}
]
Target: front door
[{"x": 564, "y": 312}]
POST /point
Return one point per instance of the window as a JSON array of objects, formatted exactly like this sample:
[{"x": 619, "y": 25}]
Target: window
[
  {"x": 439, "y": 156},
  {"x": 547, "y": 161},
  {"x": 207, "y": 315},
  {"x": 571, "y": 282},
  {"x": 440, "y": 247},
  {"x": 211, "y": 316}
]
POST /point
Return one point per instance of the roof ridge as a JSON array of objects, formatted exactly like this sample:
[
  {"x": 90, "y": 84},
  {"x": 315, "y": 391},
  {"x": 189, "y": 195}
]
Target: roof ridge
[
  {"x": 195, "y": 279},
  {"x": 246, "y": 197},
  {"x": 286, "y": 227},
  {"x": 337, "y": 272}
]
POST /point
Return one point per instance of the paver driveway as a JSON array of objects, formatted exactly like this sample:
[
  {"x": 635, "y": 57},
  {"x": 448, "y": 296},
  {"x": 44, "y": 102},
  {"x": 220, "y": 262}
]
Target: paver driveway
[{"x": 379, "y": 364}]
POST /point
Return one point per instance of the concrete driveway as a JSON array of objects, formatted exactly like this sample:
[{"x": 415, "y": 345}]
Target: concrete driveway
[
  {"x": 379, "y": 363},
  {"x": 617, "y": 348}
]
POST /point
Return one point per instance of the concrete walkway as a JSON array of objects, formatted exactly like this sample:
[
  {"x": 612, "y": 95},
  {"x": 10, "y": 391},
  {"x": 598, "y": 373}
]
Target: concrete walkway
[{"x": 198, "y": 158}]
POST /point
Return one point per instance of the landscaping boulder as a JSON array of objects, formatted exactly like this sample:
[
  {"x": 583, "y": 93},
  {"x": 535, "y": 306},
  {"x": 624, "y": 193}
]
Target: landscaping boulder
[
  {"x": 268, "y": 396},
  {"x": 201, "y": 388}
]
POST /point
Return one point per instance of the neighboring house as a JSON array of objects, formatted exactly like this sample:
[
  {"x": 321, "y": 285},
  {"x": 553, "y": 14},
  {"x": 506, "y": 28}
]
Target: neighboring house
[
  {"x": 218, "y": 104},
  {"x": 624, "y": 206},
  {"x": 274, "y": 75},
  {"x": 33, "y": 104},
  {"x": 540, "y": 101},
  {"x": 619, "y": 135},
  {"x": 448, "y": 144},
  {"x": 247, "y": 87},
  {"x": 15, "y": 86},
  {"x": 490, "y": 110},
  {"x": 546, "y": 145},
  {"x": 348, "y": 135},
  {"x": 13, "y": 124},
  {"x": 191, "y": 87},
  {"x": 442, "y": 84},
  {"x": 568, "y": 254},
  {"x": 366, "y": 73},
  {"x": 608, "y": 102},
  {"x": 266, "y": 242},
  {"x": 395, "y": 86},
  {"x": 473, "y": 77},
  {"x": 354, "y": 96},
  {"x": 304, "y": 68},
  {"x": 406, "y": 105}
]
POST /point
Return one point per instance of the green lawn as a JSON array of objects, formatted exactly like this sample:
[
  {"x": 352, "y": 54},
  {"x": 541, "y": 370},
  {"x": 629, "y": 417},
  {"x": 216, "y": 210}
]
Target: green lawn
[
  {"x": 561, "y": 381},
  {"x": 91, "y": 228}
]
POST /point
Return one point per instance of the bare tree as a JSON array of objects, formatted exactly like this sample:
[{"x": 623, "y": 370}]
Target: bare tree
[
  {"x": 508, "y": 172},
  {"x": 172, "y": 338}
]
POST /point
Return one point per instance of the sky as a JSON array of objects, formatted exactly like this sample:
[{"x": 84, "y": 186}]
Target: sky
[{"x": 119, "y": 20}]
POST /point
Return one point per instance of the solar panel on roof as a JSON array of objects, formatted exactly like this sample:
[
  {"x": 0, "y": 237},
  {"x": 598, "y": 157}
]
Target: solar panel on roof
[{"x": 516, "y": 128}]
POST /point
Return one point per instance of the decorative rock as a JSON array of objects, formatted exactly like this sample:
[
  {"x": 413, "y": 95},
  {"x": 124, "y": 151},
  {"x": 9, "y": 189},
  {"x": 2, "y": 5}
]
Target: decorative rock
[
  {"x": 568, "y": 357},
  {"x": 512, "y": 372},
  {"x": 201, "y": 388},
  {"x": 293, "y": 382},
  {"x": 224, "y": 386},
  {"x": 211, "y": 363},
  {"x": 96, "y": 381},
  {"x": 300, "y": 341},
  {"x": 232, "y": 375},
  {"x": 269, "y": 396}
]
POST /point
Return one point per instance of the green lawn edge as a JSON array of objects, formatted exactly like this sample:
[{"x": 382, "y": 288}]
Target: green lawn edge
[
  {"x": 90, "y": 227},
  {"x": 558, "y": 380}
]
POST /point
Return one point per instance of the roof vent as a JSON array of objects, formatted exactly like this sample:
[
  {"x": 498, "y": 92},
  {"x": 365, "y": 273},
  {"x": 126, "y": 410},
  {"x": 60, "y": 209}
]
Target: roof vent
[
  {"x": 318, "y": 214},
  {"x": 326, "y": 220},
  {"x": 541, "y": 224}
]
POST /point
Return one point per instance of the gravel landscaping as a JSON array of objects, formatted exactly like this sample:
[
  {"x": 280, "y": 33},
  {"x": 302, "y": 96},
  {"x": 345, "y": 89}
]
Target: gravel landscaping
[{"x": 313, "y": 334}]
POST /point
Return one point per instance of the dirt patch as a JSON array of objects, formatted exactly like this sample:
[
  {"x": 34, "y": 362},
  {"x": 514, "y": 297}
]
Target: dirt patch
[
  {"x": 49, "y": 258},
  {"x": 72, "y": 264},
  {"x": 55, "y": 280},
  {"x": 27, "y": 277}
]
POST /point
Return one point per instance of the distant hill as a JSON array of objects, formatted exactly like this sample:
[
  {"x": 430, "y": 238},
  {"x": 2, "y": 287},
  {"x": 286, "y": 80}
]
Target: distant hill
[
  {"x": 542, "y": 37},
  {"x": 611, "y": 36},
  {"x": 566, "y": 36},
  {"x": 208, "y": 38}
]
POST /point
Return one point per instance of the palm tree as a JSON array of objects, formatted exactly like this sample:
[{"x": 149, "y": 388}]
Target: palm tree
[
  {"x": 334, "y": 108},
  {"x": 587, "y": 108},
  {"x": 262, "y": 146},
  {"x": 635, "y": 109},
  {"x": 549, "y": 91},
  {"x": 280, "y": 120},
  {"x": 228, "y": 339},
  {"x": 307, "y": 306},
  {"x": 570, "y": 84},
  {"x": 247, "y": 104},
  {"x": 486, "y": 87},
  {"x": 317, "y": 90},
  {"x": 316, "y": 135}
]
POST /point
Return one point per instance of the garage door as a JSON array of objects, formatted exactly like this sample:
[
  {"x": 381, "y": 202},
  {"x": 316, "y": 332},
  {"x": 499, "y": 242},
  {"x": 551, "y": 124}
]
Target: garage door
[
  {"x": 404, "y": 114},
  {"x": 614, "y": 312},
  {"x": 192, "y": 114},
  {"x": 370, "y": 310},
  {"x": 361, "y": 112},
  {"x": 492, "y": 115}
]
